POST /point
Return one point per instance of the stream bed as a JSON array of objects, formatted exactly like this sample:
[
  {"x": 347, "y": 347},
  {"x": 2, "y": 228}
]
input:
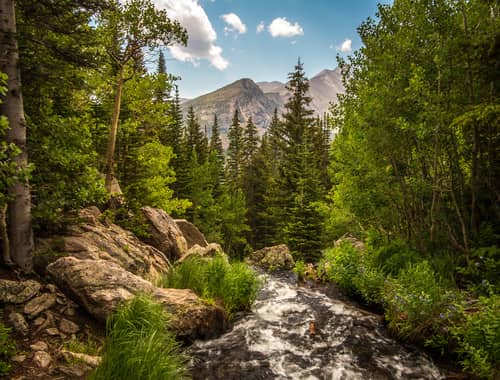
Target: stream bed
[{"x": 296, "y": 332}]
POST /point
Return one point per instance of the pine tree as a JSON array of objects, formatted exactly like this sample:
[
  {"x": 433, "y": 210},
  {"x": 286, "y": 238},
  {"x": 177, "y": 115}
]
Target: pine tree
[
  {"x": 250, "y": 142},
  {"x": 216, "y": 157},
  {"x": 299, "y": 175},
  {"x": 195, "y": 139},
  {"x": 234, "y": 152}
]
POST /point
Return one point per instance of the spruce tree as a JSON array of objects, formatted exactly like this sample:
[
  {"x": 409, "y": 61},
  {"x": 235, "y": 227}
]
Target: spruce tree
[
  {"x": 299, "y": 175},
  {"x": 234, "y": 152},
  {"x": 216, "y": 157}
]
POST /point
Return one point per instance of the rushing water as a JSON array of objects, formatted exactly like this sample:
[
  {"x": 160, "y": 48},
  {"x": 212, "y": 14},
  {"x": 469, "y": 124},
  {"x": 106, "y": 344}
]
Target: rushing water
[{"x": 301, "y": 333}]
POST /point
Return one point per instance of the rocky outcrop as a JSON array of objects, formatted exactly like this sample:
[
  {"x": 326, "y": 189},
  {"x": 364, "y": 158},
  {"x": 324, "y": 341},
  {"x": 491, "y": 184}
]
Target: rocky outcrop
[
  {"x": 210, "y": 251},
  {"x": 273, "y": 258},
  {"x": 191, "y": 233},
  {"x": 100, "y": 286},
  {"x": 165, "y": 235},
  {"x": 95, "y": 240}
]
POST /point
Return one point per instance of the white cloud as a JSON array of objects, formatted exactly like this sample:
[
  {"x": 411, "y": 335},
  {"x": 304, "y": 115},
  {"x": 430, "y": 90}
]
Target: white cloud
[
  {"x": 202, "y": 36},
  {"x": 281, "y": 27},
  {"x": 260, "y": 27},
  {"x": 234, "y": 23},
  {"x": 346, "y": 46}
]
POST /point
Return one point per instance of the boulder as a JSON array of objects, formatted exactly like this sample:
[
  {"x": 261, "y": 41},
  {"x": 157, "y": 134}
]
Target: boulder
[
  {"x": 94, "y": 240},
  {"x": 164, "y": 233},
  {"x": 18, "y": 291},
  {"x": 100, "y": 286},
  {"x": 350, "y": 239},
  {"x": 273, "y": 258},
  {"x": 191, "y": 233},
  {"x": 211, "y": 250}
]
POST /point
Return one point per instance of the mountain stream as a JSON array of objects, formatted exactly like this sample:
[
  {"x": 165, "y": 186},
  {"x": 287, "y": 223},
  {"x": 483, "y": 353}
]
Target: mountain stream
[{"x": 297, "y": 332}]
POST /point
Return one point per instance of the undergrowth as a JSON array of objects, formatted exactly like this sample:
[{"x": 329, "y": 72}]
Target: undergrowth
[
  {"x": 235, "y": 285},
  {"x": 421, "y": 301},
  {"x": 139, "y": 345},
  {"x": 7, "y": 350}
]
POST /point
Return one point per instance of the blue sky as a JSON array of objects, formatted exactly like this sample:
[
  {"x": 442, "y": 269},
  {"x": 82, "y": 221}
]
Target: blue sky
[{"x": 226, "y": 44}]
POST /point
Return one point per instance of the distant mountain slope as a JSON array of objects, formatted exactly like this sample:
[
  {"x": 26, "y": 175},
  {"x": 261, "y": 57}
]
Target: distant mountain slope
[{"x": 259, "y": 100}]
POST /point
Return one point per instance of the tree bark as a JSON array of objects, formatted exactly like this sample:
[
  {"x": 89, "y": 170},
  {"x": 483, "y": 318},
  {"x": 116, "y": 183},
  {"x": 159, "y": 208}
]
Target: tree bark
[
  {"x": 113, "y": 132},
  {"x": 19, "y": 207}
]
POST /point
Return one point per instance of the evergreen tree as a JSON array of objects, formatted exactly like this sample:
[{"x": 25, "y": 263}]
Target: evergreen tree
[
  {"x": 250, "y": 142},
  {"x": 216, "y": 157},
  {"x": 299, "y": 175},
  {"x": 195, "y": 139},
  {"x": 234, "y": 152}
]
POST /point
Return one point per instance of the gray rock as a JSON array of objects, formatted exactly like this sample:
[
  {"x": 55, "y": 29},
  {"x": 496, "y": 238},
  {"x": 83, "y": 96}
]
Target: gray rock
[
  {"x": 68, "y": 327},
  {"x": 39, "y": 346},
  {"x": 18, "y": 291},
  {"x": 211, "y": 250},
  {"x": 39, "y": 304},
  {"x": 96, "y": 240},
  {"x": 273, "y": 258},
  {"x": 164, "y": 233},
  {"x": 42, "y": 359},
  {"x": 19, "y": 323},
  {"x": 100, "y": 286},
  {"x": 191, "y": 233}
]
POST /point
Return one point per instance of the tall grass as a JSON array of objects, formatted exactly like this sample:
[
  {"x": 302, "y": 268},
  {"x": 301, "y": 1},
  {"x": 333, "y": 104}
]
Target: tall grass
[
  {"x": 139, "y": 345},
  {"x": 235, "y": 285},
  {"x": 7, "y": 349}
]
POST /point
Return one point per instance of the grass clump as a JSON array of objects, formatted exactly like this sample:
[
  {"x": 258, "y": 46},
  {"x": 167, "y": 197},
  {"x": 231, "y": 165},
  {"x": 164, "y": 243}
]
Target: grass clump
[
  {"x": 139, "y": 345},
  {"x": 7, "y": 349},
  {"x": 234, "y": 285}
]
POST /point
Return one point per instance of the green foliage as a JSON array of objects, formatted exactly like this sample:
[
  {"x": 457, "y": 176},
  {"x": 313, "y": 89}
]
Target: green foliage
[
  {"x": 484, "y": 273},
  {"x": 304, "y": 271},
  {"x": 139, "y": 345},
  {"x": 7, "y": 350},
  {"x": 414, "y": 301},
  {"x": 65, "y": 177},
  {"x": 154, "y": 175},
  {"x": 235, "y": 285},
  {"x": 479, "y": 338},
  {"x": 394, "y": 256},
  {"x": 341, "y": 265},
  {"x": 8, "y": 171}
]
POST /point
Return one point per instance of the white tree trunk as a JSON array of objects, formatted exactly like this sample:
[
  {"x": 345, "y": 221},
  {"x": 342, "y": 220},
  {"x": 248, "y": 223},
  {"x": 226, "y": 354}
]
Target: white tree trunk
[{"x": 19, "y": 208}]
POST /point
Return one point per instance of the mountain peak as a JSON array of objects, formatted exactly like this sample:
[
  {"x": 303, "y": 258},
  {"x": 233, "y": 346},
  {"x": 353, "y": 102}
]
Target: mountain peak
[{"x": 259, "y": 100}]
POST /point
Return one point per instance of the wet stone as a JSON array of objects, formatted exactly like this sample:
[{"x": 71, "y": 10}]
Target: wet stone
[{"x": 275, "y": 342}]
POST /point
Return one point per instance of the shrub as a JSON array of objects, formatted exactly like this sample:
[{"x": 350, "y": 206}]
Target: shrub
[
  {"x": 414, "y": 301},
  {"x": 394, "y": 256},
  {"x": 479, "y": 338},
  {"x": 7, "y": 349},
  {"x": 341, "y": 265},
  {"x": 139, "y": 346},
  {"x": 234, "y": 285}
]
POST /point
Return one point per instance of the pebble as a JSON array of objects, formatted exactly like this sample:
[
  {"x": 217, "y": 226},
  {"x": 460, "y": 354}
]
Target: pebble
[
  {"x": 68, "y": 327},
  {"x": 19, "y": 323},
  {"x": 42, "y": 359},
  {"x": 39, "y": 346}
]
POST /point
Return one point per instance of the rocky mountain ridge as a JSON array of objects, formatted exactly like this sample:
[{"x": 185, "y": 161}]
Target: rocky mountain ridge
[{"x": 259, "y": 100}]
